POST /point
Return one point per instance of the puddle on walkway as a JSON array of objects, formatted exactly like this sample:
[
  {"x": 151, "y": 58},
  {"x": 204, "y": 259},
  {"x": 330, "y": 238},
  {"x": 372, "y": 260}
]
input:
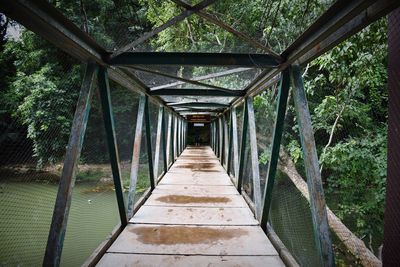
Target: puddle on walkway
[
  {"x": 183, "y": 199},
  {"x": 171, "y": 235}
]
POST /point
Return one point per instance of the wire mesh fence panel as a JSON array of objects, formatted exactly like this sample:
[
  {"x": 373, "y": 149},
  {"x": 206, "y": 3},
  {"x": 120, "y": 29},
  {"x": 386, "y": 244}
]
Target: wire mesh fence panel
[
  {"x": 39, "y": 91},
  {"x": 93, "y": 17},
  {"x": 265, "y": 116},
  {"x": 269, "y": 24},
  {"x": 239, "y": 116},
  {"x": 168, "y": 127},
  {"x": 125, "y": 109},
  {"x": 153, "y": 112},
  {"x": 93, "y": 213},
  {"x": 143, "y": 178},
  {"x": 247, "y": 183},
  {"x": 290, "y": 214},
  {"x": 348, "y": 101}
]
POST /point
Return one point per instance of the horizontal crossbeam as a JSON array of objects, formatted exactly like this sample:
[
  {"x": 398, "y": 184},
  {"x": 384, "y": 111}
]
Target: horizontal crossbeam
[
  {"x": 197, "y": 92},
  {"x": 198, "y": 104},
  {"x": 184, "y": 80},
  {"x": 195, "y": 59},
  {"x": 204, "y": 77}
]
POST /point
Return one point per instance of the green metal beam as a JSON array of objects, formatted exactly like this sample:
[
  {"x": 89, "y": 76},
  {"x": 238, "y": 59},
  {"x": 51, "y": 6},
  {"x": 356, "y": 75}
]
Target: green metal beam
[
  {"x": 243, "y": 147},
  {"x": 198, "y": 104},
  {"x": 197, "y": 92},
  {"x": 148, "y": 143},
  {"x": 195, "y": 59},
  {"x": 109, "y": 124},
  {"x": 311, "y": 165},
  {"x": 158, "y": 140},
  {"x": 59, "y": 221},
  {"x": 164, "y": 141},
  {"x": 276, "y": 144},
  {"x": 136, "y": 155}
]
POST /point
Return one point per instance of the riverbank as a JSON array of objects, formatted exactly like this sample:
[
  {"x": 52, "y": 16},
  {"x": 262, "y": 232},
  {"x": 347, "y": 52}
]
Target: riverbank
[{"x": 99, "y": 175}]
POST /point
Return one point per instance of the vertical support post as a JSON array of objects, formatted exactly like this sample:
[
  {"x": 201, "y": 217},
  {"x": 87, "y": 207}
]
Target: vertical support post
[
  {"x": 184, "y": 134},
  {"x": 235, "y": 143},
  {"x": 136, "y": 155},
  {"x": 169, "y": 140},
  {"x": 391, "y": 255},
  {"x": 148, "y": 143},
  {"x": 216, "y": 138},
  {"x": 314, "y": 181},
  {"x": 276, "y": 144},
  {"x": 180, "y": 135},
  {"x": 173, "y": 135},
  {"x": 178, "y": 139},
  {"x": 220, "y": 139},
  {"x": 225, "y": 125},
  {"x": 212, "y": 135},
  {"x": 243, "y": 148},
  {"x": 164, "y": 141},
  {"x": 59, "y": 221},
  {"x": 108, "y": 118},
  {"x": 177, "y": 136},
  {"x": 158, "y": 141},
  {"x": 228, "y": 168},
  {"x": 254, "y": 157},
  {"x": 222, "y": 155}
]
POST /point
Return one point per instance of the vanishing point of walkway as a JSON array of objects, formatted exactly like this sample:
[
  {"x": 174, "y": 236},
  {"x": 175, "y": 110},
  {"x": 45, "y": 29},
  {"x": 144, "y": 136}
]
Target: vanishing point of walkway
[{"x": 194, "y": 217}]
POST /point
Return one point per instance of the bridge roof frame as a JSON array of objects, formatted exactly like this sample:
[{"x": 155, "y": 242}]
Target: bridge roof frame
[{"x": 340, "y": 21}]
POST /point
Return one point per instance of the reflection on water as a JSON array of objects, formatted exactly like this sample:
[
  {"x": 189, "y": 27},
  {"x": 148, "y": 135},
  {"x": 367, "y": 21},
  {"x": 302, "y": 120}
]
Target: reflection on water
[{"x": 26, "y": 211}]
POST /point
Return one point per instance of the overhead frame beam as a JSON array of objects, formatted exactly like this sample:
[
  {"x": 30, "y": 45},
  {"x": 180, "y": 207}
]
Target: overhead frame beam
[
  {"x": 197, "y": 92},
  {"x": 198, "y": 104},
  {"x": 195, "y": 59},
  {"x": 204, "y": 77},
  {"x": 184, "y": 80}
]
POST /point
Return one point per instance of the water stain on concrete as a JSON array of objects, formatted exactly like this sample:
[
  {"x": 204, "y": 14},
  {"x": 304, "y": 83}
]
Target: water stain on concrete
[
  {"x": 183, "y": 199},
  {"x": 196, "y": 166},
  {"x": 171, "y": 235}
]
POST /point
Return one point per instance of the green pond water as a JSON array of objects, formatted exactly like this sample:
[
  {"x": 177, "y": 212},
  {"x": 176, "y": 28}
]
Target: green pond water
[{"x": 25, "y": 216}]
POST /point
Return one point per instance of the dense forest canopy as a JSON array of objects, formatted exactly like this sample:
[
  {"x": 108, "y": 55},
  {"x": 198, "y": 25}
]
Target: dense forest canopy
[{"x": 346, "y": 87}]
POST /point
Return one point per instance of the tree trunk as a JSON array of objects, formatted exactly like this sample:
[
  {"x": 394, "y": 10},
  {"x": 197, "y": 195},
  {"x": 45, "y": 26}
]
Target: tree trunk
[{"x": 355, "y": 245}]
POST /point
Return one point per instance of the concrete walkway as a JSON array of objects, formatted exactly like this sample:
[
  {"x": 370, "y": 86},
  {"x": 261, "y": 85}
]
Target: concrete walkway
[{"x": 194, "y": 217}]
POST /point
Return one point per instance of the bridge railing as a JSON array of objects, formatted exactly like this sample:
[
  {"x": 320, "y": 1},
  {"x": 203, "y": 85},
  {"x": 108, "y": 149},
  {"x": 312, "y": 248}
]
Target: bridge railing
[
  {"x": 266, "y": 143},
  {"x": 101, "y": 173}
]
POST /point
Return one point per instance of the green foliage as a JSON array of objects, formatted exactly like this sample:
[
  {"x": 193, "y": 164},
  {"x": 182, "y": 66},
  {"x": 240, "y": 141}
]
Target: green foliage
[
  {"x": 357, "y": 176},
  {"x": 39, "y": 98},
  {"x": 346, "y": 89}
]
